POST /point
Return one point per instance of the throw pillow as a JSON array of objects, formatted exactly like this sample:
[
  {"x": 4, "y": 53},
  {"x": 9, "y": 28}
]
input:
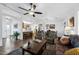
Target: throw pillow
[{"x": 64, "y": 40}]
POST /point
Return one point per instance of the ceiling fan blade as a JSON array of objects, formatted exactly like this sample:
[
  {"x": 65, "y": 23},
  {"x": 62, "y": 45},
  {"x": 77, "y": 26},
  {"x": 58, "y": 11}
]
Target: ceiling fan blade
[
  {"x": 23, "y": 8},
  {"x": 31, "y": 4},
  {"x": 38, "y": 12},
  {"x": 33, "y": 15},
  {"x": 34, "y": 7},
  {"x": 26, "y": 13}
]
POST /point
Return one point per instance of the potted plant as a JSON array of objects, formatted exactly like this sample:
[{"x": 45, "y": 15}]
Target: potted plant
[{"x": 16, "y": 34}]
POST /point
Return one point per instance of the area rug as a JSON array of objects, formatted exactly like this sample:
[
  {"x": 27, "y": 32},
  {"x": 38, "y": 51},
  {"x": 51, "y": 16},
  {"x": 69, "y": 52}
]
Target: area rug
[
  {"x": 50, "y": 50},
  {"x": 18, "y": 52}
]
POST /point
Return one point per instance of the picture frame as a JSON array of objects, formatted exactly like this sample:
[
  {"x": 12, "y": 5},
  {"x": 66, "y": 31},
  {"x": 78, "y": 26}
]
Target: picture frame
[
  {"x": 15, "y": 25},
  {"x": 47, "y": 26},
  {"x": 52, "y": 26},
  {"x": 71, "y": 22}
]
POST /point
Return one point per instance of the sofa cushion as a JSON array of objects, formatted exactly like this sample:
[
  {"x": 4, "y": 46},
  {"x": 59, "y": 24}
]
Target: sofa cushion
[
  {"x": 64, "y": 40},
  {"x": 74, "y": 41},
  {"x": 76, "y": 44}
]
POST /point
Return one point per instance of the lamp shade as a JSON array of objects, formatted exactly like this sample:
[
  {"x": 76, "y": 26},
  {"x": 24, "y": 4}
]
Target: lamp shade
[{"x": 67, "y": 28}]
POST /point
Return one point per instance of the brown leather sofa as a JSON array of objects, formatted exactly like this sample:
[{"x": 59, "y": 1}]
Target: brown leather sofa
[{"x": 59, "y": 47}]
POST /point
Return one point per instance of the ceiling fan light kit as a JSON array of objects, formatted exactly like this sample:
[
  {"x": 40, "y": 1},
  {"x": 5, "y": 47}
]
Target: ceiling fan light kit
[{"x": 31, "y": 13}]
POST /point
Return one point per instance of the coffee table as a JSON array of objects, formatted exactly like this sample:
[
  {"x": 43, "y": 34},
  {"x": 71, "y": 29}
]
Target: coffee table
[{"x": 36, "y": 48}]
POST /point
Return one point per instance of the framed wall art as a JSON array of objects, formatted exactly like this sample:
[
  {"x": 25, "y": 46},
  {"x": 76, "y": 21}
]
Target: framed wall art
[{"x": 71, "y": 22}]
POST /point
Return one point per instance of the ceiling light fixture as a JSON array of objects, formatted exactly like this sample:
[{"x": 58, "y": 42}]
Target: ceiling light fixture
[{"x": 31, "y": 13}]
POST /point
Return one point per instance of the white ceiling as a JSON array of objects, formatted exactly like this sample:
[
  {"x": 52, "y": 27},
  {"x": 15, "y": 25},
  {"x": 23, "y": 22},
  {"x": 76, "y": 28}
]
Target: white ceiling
[{"x": 55, "y": 10}]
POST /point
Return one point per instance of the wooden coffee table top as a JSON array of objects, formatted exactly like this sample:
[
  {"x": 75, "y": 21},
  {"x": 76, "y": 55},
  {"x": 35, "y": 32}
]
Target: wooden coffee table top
[{"x": 35, "y": 47}]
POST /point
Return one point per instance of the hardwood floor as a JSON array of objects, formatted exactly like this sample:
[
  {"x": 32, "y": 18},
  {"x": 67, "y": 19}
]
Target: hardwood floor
[{"x": 10, "y": 45}]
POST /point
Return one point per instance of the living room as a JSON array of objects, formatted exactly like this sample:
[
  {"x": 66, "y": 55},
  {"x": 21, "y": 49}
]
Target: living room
[{"x": 25, "y": 23}]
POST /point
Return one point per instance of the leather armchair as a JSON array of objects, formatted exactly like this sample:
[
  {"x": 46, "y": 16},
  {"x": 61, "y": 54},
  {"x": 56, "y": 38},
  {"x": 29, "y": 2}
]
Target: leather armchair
[
  {"x": 40, "y": 34},
  {"x": 51, "y": 36}
]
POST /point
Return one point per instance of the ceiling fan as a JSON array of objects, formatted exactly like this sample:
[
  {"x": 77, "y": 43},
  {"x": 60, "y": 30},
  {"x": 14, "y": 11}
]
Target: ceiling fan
[{"x": 31, "y": 11}]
